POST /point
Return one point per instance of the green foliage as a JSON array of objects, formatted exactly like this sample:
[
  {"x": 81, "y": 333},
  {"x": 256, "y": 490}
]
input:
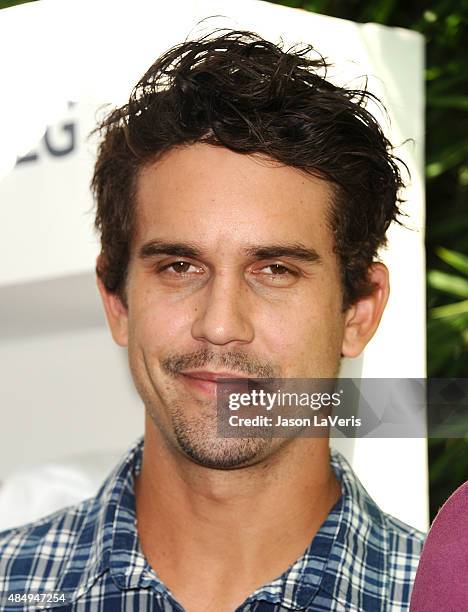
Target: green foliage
[
  {"x": 448, "y": 330},
  {"x": 7, "y": 3},
  {"x": 444, "y": 24},
  {"x": 448, "y": 323}
]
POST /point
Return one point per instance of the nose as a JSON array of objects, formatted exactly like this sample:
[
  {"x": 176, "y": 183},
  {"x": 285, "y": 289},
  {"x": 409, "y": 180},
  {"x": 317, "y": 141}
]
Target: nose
[{"x": 223, "y": 312}]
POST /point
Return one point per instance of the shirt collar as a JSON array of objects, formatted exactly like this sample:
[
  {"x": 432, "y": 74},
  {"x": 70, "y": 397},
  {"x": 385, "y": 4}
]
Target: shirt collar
[{"x": 108, "y": 541}]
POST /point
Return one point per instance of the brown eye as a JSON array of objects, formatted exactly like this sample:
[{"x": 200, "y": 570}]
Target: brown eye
[
  {"x": 277, "y": 269},
  {"x": 180, "y": 266},
  {"x": 276, "y": 275}
]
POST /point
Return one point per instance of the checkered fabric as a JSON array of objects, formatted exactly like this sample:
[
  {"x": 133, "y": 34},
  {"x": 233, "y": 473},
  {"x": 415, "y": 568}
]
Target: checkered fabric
[{"x": 89, "y": 556}]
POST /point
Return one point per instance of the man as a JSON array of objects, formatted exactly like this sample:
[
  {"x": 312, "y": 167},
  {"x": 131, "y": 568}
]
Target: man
[{"x": 241, "y": 200}]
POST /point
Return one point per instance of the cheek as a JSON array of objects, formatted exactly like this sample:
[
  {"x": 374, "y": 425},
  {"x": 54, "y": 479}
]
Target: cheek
[
  {"x": 157, "y": 325},
  {"x": 305, "y": 336},
  {"x": 282, "y": 331}
]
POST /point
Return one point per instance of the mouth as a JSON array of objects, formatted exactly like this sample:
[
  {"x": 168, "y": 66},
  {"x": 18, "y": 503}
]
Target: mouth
[{"x": 207, "y": 381}]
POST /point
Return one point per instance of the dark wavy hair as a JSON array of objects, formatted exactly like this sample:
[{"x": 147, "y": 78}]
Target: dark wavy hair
[{"x": 236, "y": 90}]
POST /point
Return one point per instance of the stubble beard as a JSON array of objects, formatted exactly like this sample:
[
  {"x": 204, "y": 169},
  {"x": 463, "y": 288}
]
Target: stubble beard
[
  {"x": 194, "y": 422},
  {"x": 197, "y": 437}
]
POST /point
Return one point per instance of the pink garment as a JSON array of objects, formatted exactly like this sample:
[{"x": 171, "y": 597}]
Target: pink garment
[{"x": 441, "y": 583}]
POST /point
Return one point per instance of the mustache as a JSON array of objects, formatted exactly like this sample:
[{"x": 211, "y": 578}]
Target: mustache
[{"x": 235, "y": 361}]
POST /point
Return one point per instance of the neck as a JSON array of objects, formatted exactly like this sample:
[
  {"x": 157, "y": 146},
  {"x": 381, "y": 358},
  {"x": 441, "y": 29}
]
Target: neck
[{"x": 252, "y": 522}]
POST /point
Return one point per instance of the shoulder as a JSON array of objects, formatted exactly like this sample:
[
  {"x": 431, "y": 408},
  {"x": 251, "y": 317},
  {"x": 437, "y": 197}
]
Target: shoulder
[
  {"x": 35, "y": 553},
  {"x": 400, "y": 533},
  {"x": 405, "y": 543},
  {"x": 385, "y": 549},
  {"x": 65, "y": 552}
]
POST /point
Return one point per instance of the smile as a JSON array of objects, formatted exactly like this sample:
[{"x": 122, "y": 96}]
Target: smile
[{"x": 207, "y": 382}]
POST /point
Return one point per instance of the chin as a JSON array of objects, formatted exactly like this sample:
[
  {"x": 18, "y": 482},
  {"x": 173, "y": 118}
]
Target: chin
[{"x": 223, "y": 453}]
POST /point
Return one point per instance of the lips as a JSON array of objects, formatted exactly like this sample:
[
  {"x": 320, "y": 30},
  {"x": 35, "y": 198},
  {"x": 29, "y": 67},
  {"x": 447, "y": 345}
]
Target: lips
[
  {"x": 212, "y": 376},
  {"x": 207, "y": 382}
]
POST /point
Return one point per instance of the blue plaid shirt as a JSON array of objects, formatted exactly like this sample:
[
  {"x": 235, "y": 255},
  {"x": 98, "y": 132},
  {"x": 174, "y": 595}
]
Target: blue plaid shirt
[{"x": 87, "y": 557}]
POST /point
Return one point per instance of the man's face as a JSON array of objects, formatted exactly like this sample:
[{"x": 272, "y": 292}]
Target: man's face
[{"x": 232, "y": 272}]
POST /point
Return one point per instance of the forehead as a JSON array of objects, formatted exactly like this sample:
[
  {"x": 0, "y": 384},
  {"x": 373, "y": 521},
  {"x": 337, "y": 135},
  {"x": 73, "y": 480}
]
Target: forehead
[{"x": 221, "y": 198}]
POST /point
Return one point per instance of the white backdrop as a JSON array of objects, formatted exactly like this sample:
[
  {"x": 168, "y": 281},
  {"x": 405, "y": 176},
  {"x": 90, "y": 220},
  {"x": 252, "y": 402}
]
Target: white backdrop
[{"x": 65, "y": 389}]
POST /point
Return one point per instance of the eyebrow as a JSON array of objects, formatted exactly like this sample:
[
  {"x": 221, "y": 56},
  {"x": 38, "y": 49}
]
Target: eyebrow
[
  {"x": 188, "y": 249},
  {"x": 179, "y": 249},
  {"x": 293, "y": 251}
]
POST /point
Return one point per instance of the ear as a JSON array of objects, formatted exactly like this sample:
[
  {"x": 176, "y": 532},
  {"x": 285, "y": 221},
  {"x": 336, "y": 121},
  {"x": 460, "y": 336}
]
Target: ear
[
  {"x": 363, "y": 317},
  {"x": 116, "y": 314}
]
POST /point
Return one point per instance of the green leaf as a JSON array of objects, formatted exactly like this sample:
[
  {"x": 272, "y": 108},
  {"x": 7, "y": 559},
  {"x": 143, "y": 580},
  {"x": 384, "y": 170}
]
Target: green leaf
[
  {"x": 450, "y": 310},
  {"x": 448, "y": 283},
  {"x": 454, "y": 259},
  {"x": 445, "y": 158},
  {"x": 8, "y": 3}
]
